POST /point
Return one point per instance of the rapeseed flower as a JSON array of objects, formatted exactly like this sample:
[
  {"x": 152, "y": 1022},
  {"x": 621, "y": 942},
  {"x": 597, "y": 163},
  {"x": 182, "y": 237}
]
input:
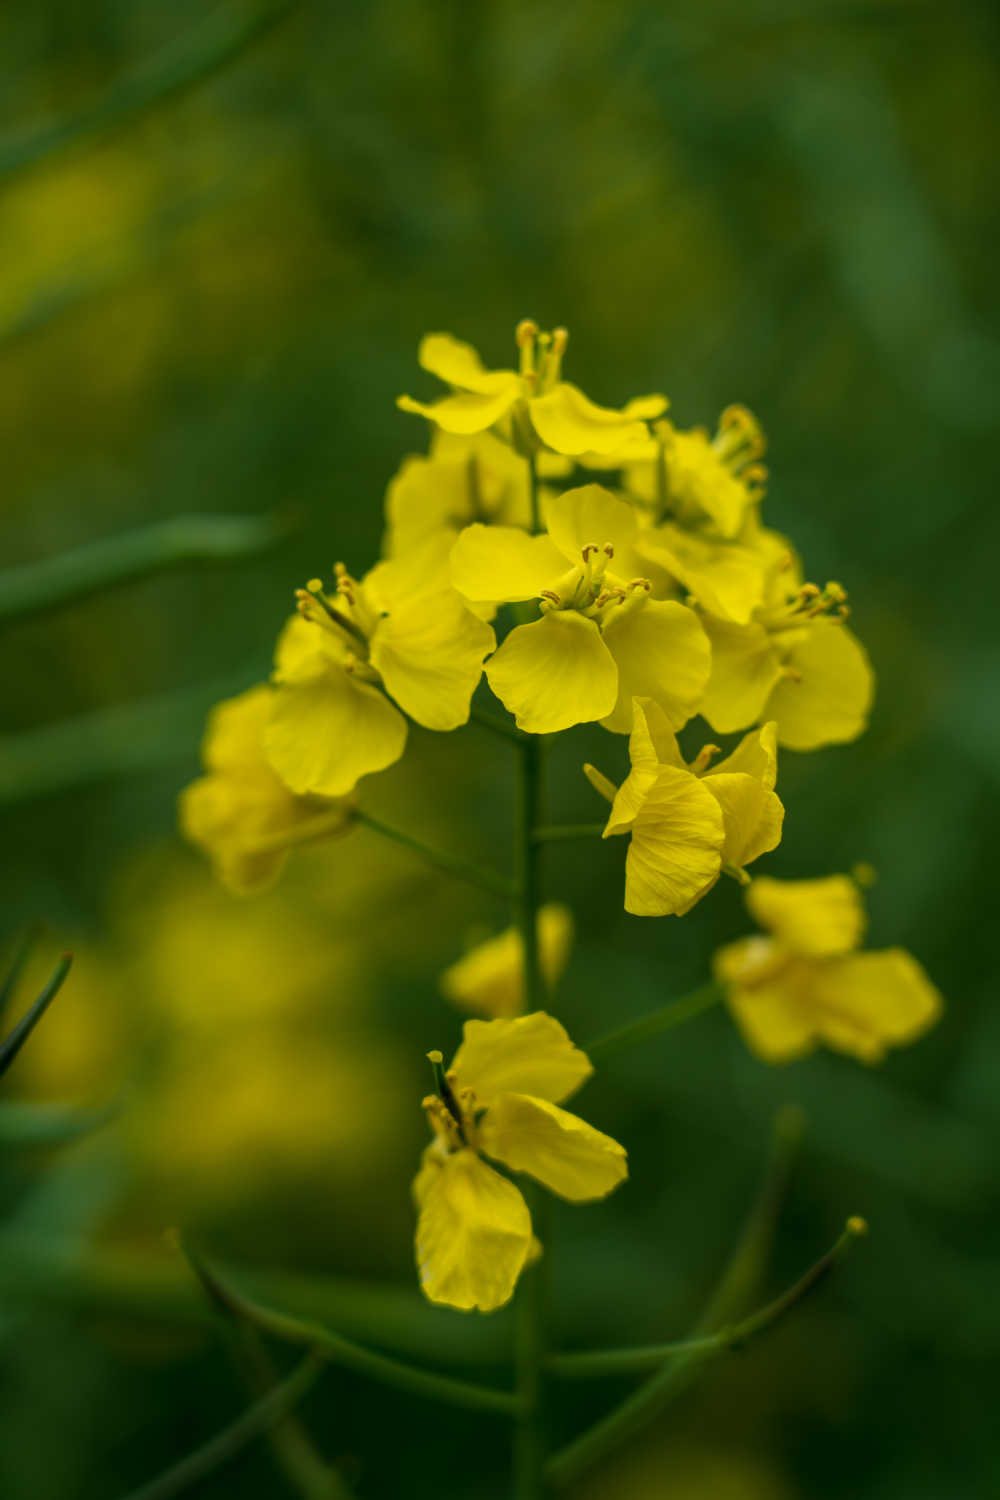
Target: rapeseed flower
[
  {"x": 240, "y": 812},
  {"x": 690, "y": 823},
  {"x": 459, "y": 482},
  {"x": 399, "y": 629},
  {"x": 806, "y": 984},
  {"x": 489, "y": 979},
  {"x": 529, "y": 407},
  {"x": 794, "y": 661},
  {"x": 500, "y": 1099},
  {"x": 702, "y": 483},
  {"x": 601, "y": 639}
]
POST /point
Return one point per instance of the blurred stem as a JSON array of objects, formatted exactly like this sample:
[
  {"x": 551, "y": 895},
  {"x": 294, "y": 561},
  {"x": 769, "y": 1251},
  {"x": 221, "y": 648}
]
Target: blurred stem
[
  {"x": 290, "y": 1442},
  {"x": 752, "y": 1250},
  {"x": 732, "y": 1337},
  {"x": 22, "y": 950},
  {"x": 554, "y": 832},
  {"x": 452, "y": 864},
  {"x": 13, "y": 1043},
  {"x": 176, "y": 69},
  {"x": 529, "y": 1341},
  {"x": 536, "y": 510},
  {"x": 71, "y": 576},
  {"x": 230, "y": 1442},
  {"x": 658, "y": 1021},
  {"x": 330, "y": 1346}
]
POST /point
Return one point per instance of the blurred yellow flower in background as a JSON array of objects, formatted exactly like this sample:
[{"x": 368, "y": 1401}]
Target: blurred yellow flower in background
[
  {"x": 240, "y": 812},
  {"x": 805, "y": 984},
  {"x": 500, "y": 1098},
  {"x": 489, "y": 979}
]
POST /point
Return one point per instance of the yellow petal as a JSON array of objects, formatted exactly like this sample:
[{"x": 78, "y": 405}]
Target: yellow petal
[
  {"x": 676, "y": 848},
  {"x": 459, "y": 364},
  {"x": 570, "y": 422},
  {"x": 489, "y": 979},
  {"x": 815, "y": 917},
  {"x": 752, "y": 815},
  {"x": 777, "y": 1013},
  {"x": 700, "y": 480},
  {"x": 503, "y": 564},
  {"x": 745, "y": 669},
  {"x": 590, "y": 515},
  {"x": 662, "y": 653},
  {"x": 726, "y": 580},
  {"x": 530, "y": 1054},
  {"x": 222, "y": 817},
  {"x": 473, "y": 1235},
  {"x": 305, "y": 651},
  {"x": 554, "y": 673},
  {"x": 465, "y": 413},
  {"x": 652, "y": 743},
  {"x": 828, "y": 700},
  {"x": 756, "y": 755},
  {"x": 430, "y": 653},
  {"x": 557, "y": 1148},
  {"x": 327, "y": 731},
  {"x": 867, "y": 1002}
]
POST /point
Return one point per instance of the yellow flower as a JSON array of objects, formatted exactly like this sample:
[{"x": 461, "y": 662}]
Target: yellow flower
[
  {"x": 461, "y": 480},
  {"x": 794, "y": 661},
  {"x": 500, "y": 1099},
  {"x": 703, "y": 483},
  {"x": 240, "y": 813},
  {"x": 399, "y": 629},
  {"x": 805, "y": 984},
  {"x": 489, "y": 979},
  {"x": 529, "y": 406},
  {"x": 601, "y": 638},
  {"x": 691, "y": 823}
]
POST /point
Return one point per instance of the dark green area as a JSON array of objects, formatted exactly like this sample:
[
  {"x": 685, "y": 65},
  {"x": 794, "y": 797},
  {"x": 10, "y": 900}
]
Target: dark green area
[{"x": 223, "y": 237}]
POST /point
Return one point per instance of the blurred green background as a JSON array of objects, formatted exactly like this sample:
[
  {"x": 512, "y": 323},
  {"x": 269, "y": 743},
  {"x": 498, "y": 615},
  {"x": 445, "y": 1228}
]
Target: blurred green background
[{"x": 223, "y": 233}]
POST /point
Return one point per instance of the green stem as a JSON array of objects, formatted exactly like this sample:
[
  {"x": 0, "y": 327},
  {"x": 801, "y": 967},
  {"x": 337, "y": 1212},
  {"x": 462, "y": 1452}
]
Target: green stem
[
  {"x": 674, "y": 1014},
  {"x": 452, "y": 864},
  {"x": 554, "y": 833},
  {"x": 230, "y": 1442},
  {"x": 529, "y": 1350},
  {"x": 71, "y": 576},
  {"x": 13, "y": 1043},
  {"x": 621, "y": 1424},
  {"x": 496, "y": 726},
  {"x": 331, "y": 1346},
  {"x": 601, "y": 1362},
  {"x": 536, "y": 510},
  {"x": 175, "y": 70}
]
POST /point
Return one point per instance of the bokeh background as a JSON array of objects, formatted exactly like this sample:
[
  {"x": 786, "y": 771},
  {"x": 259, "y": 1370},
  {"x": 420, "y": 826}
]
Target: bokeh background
[{"x": 223, "y": 231}]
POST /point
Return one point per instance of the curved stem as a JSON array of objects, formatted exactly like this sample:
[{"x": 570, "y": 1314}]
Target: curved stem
[
  {"x": 231, "y": 1441},
  {"x": 452, "y": 864},
  {"x": 13, "y": 1043},
  {"x": 674, "y": 1014},
  {"x": 327, "y": 1345},
  {"x": 633, "y": 1413}
]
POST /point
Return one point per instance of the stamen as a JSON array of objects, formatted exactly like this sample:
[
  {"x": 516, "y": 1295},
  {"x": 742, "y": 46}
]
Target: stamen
[{"x": 704, "y": 759}]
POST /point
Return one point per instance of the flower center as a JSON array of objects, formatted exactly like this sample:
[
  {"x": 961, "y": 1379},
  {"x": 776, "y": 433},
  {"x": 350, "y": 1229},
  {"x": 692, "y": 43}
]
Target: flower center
[
  {"x": 541, "y": 356},
  {"x": 345, "y": 614},
  {"x": 451, "y": 1111}
]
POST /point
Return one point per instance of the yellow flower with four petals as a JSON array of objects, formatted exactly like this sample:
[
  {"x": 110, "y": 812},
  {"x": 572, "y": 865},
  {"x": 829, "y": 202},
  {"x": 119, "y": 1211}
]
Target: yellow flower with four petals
[
  {"x": 806, "y": 984},
  {"x": 500, "y": 1098}
]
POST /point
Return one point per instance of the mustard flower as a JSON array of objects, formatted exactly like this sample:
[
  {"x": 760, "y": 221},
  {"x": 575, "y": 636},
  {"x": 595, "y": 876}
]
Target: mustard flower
[
  {"x": 702, "y": 483},
  {"x": 794, "y": 661},
  {"x": 500, "y": 1099},
  {"x": 239, "y": 812},
  {"x": 398, "y": 629},
  {"x": 601, "y": 639},
  {"x": 489, "y": 979},
  {"x": 461, "y": 481},
  {"x": 690, "y": 823},
  {"x": 529, "y": 406},
  {"x": 806, "y": 984}
]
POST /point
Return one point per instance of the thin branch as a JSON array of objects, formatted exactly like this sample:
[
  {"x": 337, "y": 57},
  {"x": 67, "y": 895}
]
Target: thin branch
[
  {"x": 340, "y": 1351},
  {"x": 452, "y": 864},
  {"x": 13, "y": 1043},
  {"x": 646, "y": 1027},
  {"x": 231, "y": 1441}
]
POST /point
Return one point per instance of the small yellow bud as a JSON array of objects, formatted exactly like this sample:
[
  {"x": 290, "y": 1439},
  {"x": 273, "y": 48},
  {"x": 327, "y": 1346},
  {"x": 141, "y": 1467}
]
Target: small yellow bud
[
  {"x": 435, "y": 1056},
  {"x": 857, "y": 1226}
]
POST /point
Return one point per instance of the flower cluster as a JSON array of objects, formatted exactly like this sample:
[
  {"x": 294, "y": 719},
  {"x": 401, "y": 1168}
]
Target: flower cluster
[{"x": 636, "y": 603}]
